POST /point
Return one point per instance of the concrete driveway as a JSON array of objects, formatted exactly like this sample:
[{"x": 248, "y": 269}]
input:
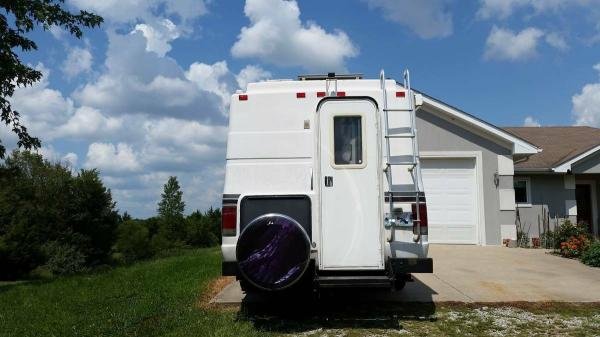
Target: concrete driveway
[{"x": 485, "y": 274}]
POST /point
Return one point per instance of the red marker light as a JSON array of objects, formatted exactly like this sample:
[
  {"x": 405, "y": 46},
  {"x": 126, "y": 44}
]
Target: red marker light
[
  {"x": 341, "y": 94},
  {"x": 300, "y": 95},
  {"x": 320, "y": 93},
  {"x": 243, "y": 97},
  {"x": 400, "y": 94}
]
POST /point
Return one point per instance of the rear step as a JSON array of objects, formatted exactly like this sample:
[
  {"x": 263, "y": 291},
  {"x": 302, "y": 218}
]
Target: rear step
[{"x": 370, "y": 281}]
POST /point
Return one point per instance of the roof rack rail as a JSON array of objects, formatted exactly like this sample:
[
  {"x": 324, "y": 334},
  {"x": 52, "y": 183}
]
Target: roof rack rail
[{"x": 330, "y": 76}]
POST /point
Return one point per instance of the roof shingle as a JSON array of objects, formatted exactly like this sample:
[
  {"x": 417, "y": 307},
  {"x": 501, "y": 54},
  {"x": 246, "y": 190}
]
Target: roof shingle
[{"x": 558, "y": 144}]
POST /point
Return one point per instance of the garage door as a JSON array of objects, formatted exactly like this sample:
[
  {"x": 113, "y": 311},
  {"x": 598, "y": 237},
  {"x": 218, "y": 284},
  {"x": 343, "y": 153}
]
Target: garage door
[{"x": 450, "y": 189}]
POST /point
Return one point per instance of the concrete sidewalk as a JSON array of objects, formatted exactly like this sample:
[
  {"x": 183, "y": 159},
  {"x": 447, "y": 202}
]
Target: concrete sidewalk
[{"x": 484, "y": 274}]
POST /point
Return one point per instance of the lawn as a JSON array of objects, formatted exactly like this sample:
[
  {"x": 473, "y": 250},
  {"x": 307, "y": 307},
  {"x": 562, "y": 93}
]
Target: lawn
[{"x": 167, "y": 297}]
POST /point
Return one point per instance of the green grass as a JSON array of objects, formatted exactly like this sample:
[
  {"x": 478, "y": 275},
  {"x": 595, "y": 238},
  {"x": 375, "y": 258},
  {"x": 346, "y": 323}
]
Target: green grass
[
  {"x": 155, "y": 298},
  {"x": 160, "y": 298}
]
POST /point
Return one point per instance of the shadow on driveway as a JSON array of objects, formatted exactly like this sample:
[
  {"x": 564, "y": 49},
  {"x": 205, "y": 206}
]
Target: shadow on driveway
[{"x": 333, "y": 309}]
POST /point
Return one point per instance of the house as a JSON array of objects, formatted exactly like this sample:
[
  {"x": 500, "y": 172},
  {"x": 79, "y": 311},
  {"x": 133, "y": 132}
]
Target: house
[
  {"x": 563, "y": 180},
  {"x": 478, "y": 177},
  {"x": 467, "y": 169}
]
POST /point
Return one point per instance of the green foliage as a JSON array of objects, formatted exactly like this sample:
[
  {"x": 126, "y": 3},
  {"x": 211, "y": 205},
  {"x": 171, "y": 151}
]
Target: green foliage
[
  {"x": 199, "y": 232},
  {"x": 63, "y": 258},
  {"x": 170, "y": 211},
  {"x": 133, "y": 241},
  {"x": 18, "y": 18},
  {"x": 574, "y": 246},
  {"x": 591, "y": 256},
  {"x": 565, "y": 231},
  {"x": 171, "y": 204},
  {"x": 42, "y": 202}
]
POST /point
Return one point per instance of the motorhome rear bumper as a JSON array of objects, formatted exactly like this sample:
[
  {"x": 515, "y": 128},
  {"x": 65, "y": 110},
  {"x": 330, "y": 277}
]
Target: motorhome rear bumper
[
  {"x": 411, "y": 265},
  {"x": 398, "y": 265}
]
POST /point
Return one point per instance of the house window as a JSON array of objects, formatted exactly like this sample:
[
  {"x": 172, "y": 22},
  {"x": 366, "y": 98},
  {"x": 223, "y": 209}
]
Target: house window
[
  {"x": 522, "y": 188},
  {"x": 347, "y": 140}
]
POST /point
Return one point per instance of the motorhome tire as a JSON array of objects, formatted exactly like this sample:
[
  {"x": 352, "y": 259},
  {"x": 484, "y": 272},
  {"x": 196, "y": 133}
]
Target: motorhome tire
[
  {"x": 273, "y": 252},
  {"x": 399, "y": 284}
]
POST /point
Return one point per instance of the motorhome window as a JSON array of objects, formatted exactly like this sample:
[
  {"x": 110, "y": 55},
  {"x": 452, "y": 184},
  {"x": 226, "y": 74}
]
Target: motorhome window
[{"x": 347, "y": 140}]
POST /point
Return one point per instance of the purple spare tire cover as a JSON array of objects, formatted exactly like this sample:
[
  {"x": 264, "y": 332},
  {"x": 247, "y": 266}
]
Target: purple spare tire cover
[{"x": 273, "y": 252}]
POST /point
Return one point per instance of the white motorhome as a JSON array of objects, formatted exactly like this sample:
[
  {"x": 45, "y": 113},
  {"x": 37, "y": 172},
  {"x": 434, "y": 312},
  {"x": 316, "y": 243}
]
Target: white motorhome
[{"x": 322, "y": 184}]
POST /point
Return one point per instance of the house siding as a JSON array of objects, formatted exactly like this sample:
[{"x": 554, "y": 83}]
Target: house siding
[
  {"x": 548, "y": 194},
  {"x": 437, "y": 134}
]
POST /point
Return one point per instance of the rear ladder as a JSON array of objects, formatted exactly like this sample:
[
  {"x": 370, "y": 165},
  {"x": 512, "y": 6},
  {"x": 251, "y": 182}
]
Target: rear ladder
[{"x": 412, "y": 163}]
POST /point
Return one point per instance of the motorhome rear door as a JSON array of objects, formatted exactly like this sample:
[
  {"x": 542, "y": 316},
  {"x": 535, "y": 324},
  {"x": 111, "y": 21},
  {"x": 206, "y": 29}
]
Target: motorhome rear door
[{"x": 351, "y": 234}]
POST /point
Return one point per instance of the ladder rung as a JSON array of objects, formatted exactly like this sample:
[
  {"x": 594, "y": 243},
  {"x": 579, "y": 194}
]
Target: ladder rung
[
  {"x": 402, "y": 160},
  {"x": 408, "y": 135},
  {"x": 405, "y": 132},
  {"x": 403, "y": 163}
]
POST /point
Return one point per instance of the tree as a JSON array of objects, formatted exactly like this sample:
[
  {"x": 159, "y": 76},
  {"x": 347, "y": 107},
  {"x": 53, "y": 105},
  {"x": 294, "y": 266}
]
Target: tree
[
  {"x": 24, "y": 16},
  {"x": 50, "y": 217},
  {"x": 170, "y": 210}
]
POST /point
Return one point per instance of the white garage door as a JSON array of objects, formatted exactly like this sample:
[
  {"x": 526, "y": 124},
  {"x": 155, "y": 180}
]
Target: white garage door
[{"x": 450, "y": 189}]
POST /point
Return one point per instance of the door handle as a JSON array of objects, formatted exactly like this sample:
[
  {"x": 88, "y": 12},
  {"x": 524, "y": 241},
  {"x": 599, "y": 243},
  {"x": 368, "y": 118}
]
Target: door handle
[{"x": 328, "y": 181}]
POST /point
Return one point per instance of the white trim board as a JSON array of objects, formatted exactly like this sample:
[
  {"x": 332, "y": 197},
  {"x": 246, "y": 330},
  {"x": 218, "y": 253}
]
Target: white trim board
[
  {"x": 566, "y": 166},
  {"x": 477, "y": 155}
]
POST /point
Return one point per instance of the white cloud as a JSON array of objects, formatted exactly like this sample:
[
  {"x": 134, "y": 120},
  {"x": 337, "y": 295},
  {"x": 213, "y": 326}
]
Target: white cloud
[
  {"x": 557, "y": 41},
  {"x": 89, "y": 123},
  {"x": 276, "y": 35},
  {"x": 41, "y": 107},
  {"x": 427, "y": 18},
  {"x": 126, "y": 11},
  {"x": 586, "y": 104},
  {"x": 504, "y": 8},
  {"x": 70, "y": 159},
  {"x": 79, "y": 60},
  {"x": 110, "y": 158},
  {"x": 159, "y": 36},
  {"x": 251, "y": 73},
  {"x": 504, "y": 44},
  {"x": 214, "y": 78},
  {"x": 531, "y": 122},
  {"x": 140, "y": 82},
  {"x": 143, "y": 117}
]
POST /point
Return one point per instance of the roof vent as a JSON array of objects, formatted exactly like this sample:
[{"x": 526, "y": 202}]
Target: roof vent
[{"x": 330, "y": 76}]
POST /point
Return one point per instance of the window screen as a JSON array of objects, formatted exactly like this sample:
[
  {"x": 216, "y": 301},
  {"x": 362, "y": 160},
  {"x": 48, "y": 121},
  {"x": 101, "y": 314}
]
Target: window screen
[
  {"x": 520, "y": 191},
  {"x": 347, "y": 140}
]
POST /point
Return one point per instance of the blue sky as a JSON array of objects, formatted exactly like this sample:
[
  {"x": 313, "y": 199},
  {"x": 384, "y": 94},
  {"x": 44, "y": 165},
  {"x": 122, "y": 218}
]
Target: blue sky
[{"x": 146, "y": 96}]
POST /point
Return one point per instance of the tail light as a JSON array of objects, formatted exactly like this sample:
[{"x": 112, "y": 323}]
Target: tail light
[
  {"x": 422, "y": 218},
  {"x": 228, "y": 220}
]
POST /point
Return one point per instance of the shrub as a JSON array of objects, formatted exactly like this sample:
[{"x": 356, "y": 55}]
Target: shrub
[
  {"x": 547, "y": 240},
  {"x": 199, "y": 232},
  {"x": 133, "y": 242},
  {"x": 63, "y": 259},
  {"x": 522, "y": 238},
  {"x": 574, "y": 246},
  {"x": 566, "y": 231},
  {"x": 591, "y": 256}
]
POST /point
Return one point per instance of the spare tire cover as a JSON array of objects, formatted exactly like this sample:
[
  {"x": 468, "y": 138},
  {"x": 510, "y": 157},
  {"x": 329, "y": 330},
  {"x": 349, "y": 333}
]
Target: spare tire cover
[{"x": 273, "y": 251}]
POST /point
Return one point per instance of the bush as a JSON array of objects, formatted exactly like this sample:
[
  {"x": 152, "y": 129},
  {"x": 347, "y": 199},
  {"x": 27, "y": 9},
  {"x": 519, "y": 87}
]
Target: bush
[
  {"x": 63, "y": 259},
  {"x": 133, "y": 242},
  {"x": 574, "y": 246},
  {"x": 566, "y": 231},
  {"x": 198, "y": 231},
  {"x": 591, "y": 256}
]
